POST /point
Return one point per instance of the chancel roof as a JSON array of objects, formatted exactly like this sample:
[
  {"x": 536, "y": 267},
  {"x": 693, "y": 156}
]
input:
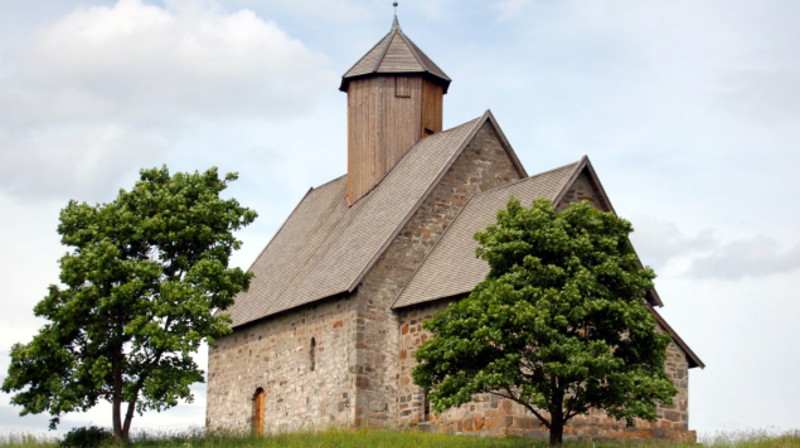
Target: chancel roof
[{"x": 395, "y": 54}]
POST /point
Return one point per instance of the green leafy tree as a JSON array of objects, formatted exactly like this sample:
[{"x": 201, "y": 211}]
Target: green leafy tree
[
  {"x": 139, "y": 292},
  {"x": 559, "y": 325}
]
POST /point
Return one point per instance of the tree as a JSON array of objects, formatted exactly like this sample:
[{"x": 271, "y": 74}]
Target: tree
[
  {"x": 139, "y": 292},
  {"x": 559, "y": 325}
]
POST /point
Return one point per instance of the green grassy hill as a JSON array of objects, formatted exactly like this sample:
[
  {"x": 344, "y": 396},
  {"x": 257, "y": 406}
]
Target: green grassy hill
[{"x": 394, "y": 439}]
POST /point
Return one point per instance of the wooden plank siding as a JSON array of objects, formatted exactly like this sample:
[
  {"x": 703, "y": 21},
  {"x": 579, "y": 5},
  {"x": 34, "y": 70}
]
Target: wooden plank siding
[{"x": 383, "y": 126}]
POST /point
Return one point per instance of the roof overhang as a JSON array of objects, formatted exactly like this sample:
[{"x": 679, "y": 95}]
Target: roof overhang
[
  {"x": 445, "y": 83},
  {"x": 694, "y": 360}
]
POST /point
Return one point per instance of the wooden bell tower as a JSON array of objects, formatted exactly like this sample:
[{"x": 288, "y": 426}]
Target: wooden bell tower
[{"x": 394, "y": 99}]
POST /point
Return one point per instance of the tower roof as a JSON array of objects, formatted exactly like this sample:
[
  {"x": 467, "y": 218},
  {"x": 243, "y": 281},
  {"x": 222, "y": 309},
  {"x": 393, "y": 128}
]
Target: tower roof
[{"x": 395, "y": 54}]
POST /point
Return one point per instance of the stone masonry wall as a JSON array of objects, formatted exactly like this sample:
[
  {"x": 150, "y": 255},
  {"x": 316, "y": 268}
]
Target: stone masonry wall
[
  {"x": 487, "y": 415},
  {"x": 482, "y": 165},
  {"x": 274, "y": 354}
]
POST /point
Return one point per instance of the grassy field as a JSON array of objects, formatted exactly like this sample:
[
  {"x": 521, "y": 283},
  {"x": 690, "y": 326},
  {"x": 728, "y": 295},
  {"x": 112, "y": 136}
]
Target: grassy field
[{"x": 390, "y": 439}]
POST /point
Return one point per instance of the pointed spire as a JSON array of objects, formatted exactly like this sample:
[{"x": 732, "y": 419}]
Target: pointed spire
[{"x": 395, "y": 24}]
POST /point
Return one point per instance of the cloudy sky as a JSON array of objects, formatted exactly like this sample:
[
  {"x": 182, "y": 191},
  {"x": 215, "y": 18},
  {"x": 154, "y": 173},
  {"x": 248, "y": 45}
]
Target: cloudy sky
[{"x": 689, "y": 111}]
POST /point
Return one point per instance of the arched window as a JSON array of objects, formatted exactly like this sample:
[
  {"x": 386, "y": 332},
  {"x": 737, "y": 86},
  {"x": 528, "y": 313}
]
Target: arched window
[
  {"x": 313, "y": 354},
  {"x": 258, "y": 412}
]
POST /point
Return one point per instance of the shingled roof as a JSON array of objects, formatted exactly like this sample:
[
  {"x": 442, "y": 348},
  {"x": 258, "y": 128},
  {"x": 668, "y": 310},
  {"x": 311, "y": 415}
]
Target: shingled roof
[
  {"x": 325, "y": 247},
  {"x": 452, "y": 268},
  {"x": 395, "y": 54}
]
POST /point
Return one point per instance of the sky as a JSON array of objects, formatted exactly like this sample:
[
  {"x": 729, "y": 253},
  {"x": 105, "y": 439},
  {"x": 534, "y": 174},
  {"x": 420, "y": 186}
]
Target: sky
[{"x": 688, "y": 110}]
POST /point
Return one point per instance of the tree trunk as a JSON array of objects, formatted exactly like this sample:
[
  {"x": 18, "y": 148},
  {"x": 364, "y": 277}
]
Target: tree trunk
[
  {"x": 126, "y": 428},
  {"x": 116, "y": 402},
  {"x": 556, "y": 433},
  {"x": 557, "y": 416}
]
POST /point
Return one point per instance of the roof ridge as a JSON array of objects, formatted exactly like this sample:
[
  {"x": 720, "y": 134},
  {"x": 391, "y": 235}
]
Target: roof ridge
[
  {"x": 412, "y": 50},
  {"x": 380, "y": 59},
  {"x": 366, "y": 54},
  {"x": 418, "y": 50}
]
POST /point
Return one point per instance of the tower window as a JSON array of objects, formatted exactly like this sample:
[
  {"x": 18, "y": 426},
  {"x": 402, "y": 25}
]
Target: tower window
[
  {"x": 401, "y": 89},
  {"x": 313, "y": 354}
]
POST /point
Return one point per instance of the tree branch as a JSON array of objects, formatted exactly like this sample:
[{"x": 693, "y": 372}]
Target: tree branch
[{"x": 511, "y": 396}]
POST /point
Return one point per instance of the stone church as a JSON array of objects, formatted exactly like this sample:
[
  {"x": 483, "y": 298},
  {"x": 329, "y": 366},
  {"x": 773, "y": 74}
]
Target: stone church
[{"x": 327, "y": 332}]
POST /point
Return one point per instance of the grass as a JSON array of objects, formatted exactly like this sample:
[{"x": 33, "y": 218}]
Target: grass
[{"x": 397, "y": 439}]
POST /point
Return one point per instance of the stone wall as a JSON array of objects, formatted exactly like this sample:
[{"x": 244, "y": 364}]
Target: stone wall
[
  {"x": 482, "y": 165},
  {"x": 274, "y": 354},
  {"x": 488, "y": 415}
]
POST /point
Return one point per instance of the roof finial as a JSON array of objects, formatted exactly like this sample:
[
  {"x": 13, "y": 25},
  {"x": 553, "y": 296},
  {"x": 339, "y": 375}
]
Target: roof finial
[{"x": 395, "y": 24}]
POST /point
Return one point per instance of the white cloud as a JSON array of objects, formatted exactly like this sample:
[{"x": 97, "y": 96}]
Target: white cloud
[
  {"x": 754, "y": 257},
  {"x": 658, "y": 241},
  {"x": 81, "y": 158},
  {"x": 106, "y": 87},
  {"x": 342, "y": 11},
  {"x": 662, "y": 245}
]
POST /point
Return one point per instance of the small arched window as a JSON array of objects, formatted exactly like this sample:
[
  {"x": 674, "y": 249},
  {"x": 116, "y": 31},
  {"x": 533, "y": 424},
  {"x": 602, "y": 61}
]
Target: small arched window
[{"x": 313, "y": 354}]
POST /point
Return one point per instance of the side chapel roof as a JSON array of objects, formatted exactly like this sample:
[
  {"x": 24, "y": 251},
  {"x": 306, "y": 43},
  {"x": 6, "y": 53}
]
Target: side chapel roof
[{"x": 395, "y": 54}]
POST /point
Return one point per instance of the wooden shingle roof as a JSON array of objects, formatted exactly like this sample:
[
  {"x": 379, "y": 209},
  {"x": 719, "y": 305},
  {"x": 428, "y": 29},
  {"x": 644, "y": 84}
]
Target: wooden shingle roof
[{"x": 395, "y": 54}]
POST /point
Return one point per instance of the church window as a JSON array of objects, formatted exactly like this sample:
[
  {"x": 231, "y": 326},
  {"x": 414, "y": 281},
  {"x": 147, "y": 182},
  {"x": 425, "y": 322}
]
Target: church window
[
  {"x": 426, "y": 406},
  {"x": 313, "y": 354},
  {"x": 401, "y": 88}
]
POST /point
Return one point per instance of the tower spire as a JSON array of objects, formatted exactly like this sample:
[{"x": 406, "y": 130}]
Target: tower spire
[{"x": 395, "y": 23}]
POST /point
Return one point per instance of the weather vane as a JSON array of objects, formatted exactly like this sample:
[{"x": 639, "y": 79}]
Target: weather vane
[{"x": 395, "y": 8}]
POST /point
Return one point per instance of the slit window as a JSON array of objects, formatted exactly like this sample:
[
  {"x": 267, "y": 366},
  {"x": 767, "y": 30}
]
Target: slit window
[{"x": 313, "y": 354}]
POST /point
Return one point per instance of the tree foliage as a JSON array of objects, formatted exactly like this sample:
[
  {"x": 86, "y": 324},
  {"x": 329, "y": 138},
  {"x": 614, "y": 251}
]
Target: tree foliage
[
  {"x": 139, "y": 292},
  {"x": 559, "y": 325}
]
